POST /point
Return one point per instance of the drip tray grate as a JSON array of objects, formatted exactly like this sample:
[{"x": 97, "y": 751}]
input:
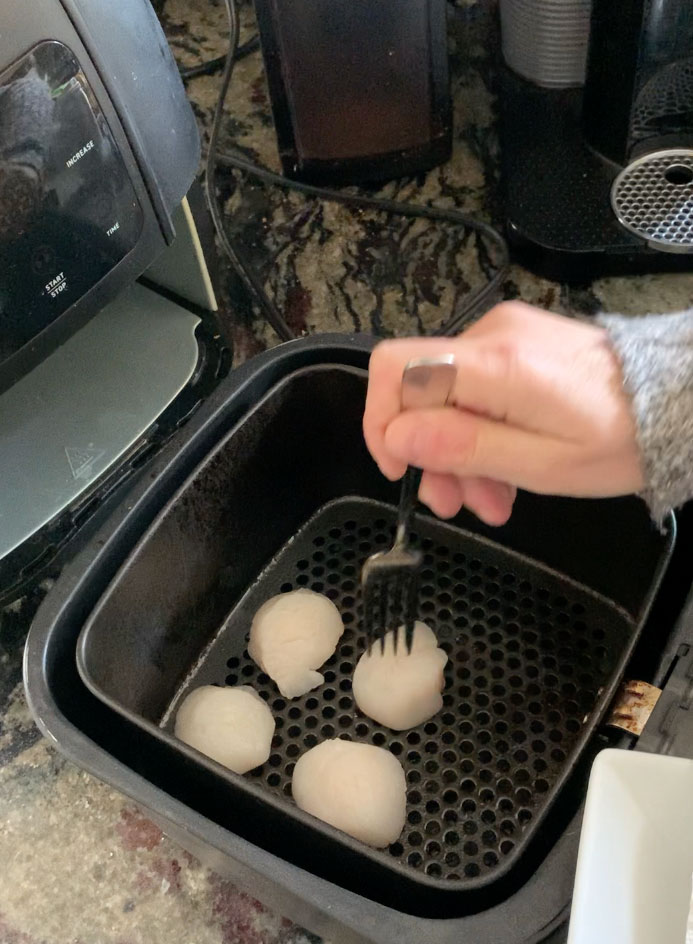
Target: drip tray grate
[
  {"x": 653, "y": 198},
  {"x": 529, "y": 652}
]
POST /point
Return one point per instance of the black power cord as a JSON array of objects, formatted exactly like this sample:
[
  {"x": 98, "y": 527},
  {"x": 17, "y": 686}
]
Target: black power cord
[
  {"x": 474, "y": 302},
  {"x": 243, "y": 268},
  {"x": 216, "y": 65}
]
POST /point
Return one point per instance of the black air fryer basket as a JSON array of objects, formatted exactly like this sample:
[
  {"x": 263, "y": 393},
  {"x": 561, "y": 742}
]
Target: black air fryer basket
[{"x": 273, "y": 489}]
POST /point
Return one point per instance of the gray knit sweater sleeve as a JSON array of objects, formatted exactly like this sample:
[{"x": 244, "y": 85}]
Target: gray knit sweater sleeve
[{"x": 656, "y": 353}]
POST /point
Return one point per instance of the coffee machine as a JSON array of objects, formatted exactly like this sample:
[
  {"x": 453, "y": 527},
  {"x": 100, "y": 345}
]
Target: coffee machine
[
  {"x": 597, "y": 124},
  {"x": 107, "y": 332}
]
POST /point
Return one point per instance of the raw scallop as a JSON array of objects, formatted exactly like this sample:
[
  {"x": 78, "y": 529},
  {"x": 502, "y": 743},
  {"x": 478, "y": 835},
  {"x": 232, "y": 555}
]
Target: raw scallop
[
  {"x": 291, "y": 636},
  {"x": 233, "y": 726},
  {"x": 398, "y": 689},
  {"x": 356, "y": 787}
]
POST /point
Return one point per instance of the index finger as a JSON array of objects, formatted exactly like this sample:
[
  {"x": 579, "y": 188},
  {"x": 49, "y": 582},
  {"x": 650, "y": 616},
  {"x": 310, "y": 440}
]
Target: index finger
[{"x": 383, "y": 399}]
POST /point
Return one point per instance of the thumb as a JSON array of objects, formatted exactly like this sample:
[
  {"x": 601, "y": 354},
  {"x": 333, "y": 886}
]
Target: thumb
[{"x": 450, "y": 440}]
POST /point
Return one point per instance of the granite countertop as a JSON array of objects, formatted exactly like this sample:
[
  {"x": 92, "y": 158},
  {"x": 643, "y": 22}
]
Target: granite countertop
[{"x": 80, "y": 863}]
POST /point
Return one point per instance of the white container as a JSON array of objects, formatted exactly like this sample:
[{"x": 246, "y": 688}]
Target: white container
[
  {"x": 633, "y": 883},
  {"x": 546, "y": 41}
]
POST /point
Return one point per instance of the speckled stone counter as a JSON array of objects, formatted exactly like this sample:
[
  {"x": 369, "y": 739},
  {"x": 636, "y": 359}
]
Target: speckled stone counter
[{"x": 77, "y": 862}]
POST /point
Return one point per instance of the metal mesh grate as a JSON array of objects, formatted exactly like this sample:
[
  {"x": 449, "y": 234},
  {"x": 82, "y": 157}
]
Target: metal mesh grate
[
  {"x": 668, "y": 95},
  {"x": 653, "y": 198},
  {"x": 528, "y": 653}
]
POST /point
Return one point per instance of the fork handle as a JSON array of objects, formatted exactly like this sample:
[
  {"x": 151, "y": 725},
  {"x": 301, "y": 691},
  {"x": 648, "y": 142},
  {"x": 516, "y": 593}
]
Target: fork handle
[
  {"x": 426, "y": 382},
  {"x": 407, "y": 503}
]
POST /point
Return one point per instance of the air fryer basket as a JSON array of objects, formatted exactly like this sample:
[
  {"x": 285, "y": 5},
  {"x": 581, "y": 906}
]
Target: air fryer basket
[
  {"x": 536, "y": 651},
  {"x": 529, "y": 651}
]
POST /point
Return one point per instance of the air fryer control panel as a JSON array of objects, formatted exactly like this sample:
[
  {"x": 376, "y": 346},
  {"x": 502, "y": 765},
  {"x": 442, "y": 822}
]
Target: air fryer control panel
[{"x": 68, "y": 210}]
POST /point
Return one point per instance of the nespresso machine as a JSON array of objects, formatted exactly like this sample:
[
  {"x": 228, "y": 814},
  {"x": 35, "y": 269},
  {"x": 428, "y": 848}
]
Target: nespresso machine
[
  {"x": 106, "y": 340},
  {"x": 597, "y": 108}
]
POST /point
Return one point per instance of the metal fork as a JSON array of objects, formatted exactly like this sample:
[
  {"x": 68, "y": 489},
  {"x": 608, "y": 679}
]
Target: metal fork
[{"x": 390, "y": 579}]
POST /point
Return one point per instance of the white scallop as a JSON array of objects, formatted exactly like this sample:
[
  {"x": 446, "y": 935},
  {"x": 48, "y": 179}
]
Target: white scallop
[
  {"x": 233, "y": 726},
  {"x": 359, "y": 788},
  {"x": 291, "y": 636},
  {"x": 400, "y": 689}
]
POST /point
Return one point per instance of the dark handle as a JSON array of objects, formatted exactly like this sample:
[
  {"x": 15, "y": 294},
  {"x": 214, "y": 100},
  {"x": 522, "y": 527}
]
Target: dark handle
[
  {"x": 426, "y": 382},
  {"x": 407, "y": 503}
]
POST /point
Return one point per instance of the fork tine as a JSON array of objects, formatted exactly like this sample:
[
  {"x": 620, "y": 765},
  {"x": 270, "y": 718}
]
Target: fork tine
[
  {"x": 384, "y": 587},
  {"x": 401, "y": 605},
  {"x": 383, "y": 612},
  {"x": 368, "y": 593},
  {"x": 410, "y": 612},
  {"x": 396, "y": 591}
]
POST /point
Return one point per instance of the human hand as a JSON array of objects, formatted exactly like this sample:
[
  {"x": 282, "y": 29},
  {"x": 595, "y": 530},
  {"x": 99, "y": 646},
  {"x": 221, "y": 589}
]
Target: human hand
[{"x": 538, "y": 404}]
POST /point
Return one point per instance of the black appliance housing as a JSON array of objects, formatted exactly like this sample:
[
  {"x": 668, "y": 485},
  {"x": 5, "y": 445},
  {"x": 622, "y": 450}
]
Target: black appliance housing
[
  {"x": 584, "y": 539},
  {"x": 359, "y": 88},
  {"x": 563, "y": 148},
  {"x": 98, "y": 146}
]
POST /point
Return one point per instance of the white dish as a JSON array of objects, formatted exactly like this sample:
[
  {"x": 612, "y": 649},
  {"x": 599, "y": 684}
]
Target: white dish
[{"x": 633, "y": 882}]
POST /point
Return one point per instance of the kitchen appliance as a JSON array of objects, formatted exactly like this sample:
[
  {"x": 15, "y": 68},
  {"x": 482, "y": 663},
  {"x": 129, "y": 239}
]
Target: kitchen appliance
[
  {"x": 597, "y": 125},
  {"x": 181, "y": 565},
  {"x": 98, "y": 155},
  {"x": 535, "y": 658},
  {"x": 359, "y": 89}
]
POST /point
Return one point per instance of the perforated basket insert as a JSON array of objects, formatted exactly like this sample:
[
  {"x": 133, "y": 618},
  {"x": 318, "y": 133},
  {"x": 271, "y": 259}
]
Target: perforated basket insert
[{"x": 528, "y": 653}]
